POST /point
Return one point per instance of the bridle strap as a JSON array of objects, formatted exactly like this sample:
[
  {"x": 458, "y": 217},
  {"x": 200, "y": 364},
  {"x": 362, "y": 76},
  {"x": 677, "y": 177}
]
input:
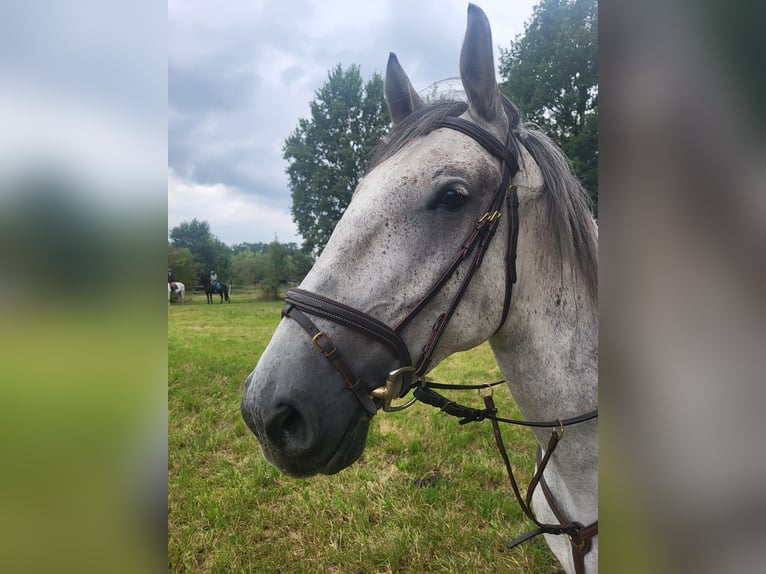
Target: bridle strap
[
  {"x": 581, "y": 540},
  {"x": 324, "y": 343},
  {"x": 339, "y": 313},
  {"x": 506, "y": 152},
  {"x": 580, "y": 537},
  {"x": 480, "y": 237},
  {"x": 510, "y": 264}
]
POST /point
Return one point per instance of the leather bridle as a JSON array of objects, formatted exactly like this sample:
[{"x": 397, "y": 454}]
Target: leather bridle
[
  {"x": 409, "y": 375},
  {"x": 399, "y": 382}
]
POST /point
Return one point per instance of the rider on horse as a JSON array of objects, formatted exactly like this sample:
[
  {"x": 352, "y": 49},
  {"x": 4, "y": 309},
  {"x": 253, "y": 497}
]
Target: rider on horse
[
  {"x": 214, "y": 281},
  {"x": 172, "y": 280}
]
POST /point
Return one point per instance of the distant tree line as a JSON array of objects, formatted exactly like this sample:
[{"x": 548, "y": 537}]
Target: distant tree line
[{"x": 193, "y": 251}]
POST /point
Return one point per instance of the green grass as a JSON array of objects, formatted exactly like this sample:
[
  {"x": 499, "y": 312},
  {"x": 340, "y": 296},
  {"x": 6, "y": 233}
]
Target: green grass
[{"x": 428, "y": 495}]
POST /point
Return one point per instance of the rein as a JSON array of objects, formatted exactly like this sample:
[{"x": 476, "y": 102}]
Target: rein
[
  {"x": 580, "y": 537},
  {"x": 299, "y": 303}
]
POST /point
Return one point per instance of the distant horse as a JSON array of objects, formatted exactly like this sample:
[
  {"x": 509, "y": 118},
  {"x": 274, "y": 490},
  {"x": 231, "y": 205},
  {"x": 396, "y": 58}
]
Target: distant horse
[
  {"x": 459, "y": 198},
  {"x": 179, "y": 289},
  {"x": 221, "y": 289}
]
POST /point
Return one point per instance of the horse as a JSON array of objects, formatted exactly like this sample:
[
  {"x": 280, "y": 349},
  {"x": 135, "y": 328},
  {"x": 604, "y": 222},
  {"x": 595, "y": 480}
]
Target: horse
[
  {"x": 210, "y": 290},
  {"x": 179, "y": 289},
  {"x": 468, "y": 226}
]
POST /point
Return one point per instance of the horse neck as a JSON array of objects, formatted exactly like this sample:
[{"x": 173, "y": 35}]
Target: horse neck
[
  {"x": 548, "y": 352},
  {"x": 548, "y": 348}
]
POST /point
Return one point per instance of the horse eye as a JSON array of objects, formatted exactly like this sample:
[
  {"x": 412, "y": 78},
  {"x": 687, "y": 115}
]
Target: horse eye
[{"x": 452, "y": 199}]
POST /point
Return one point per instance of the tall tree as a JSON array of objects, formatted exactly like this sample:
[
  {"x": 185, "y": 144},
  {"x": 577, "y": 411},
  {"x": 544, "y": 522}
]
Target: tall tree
[
  {"x": 551, "y": 72},
  {"x": 195, "y": 236},
  {"x": 208, "y": 251},
  {"x": 272, "y": 269},
  {"x": 327, "y": 153}
]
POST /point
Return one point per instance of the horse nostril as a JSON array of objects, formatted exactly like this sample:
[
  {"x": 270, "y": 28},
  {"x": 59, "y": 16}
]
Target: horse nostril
[
  {"x": 293, "y": 425},
  {"x": 289, "y": 430}
]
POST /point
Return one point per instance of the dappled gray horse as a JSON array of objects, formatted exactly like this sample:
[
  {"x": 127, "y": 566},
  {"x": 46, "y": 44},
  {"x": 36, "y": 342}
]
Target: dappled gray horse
[{"x": 467, "y": 227}]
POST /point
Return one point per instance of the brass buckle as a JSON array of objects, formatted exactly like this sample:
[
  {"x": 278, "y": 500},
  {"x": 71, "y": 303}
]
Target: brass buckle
[
  {"x": 392, "y": 389},
  {"x": 315, "y": 340},
  {"x": 490, "y": 217},
  {"x": 485, "y": 391}
]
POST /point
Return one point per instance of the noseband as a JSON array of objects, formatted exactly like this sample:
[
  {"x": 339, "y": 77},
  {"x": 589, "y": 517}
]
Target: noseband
[{"x": 300, "y": 302}]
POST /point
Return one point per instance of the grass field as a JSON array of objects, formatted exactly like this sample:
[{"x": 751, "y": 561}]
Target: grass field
[{"x": 428, "y": 494}]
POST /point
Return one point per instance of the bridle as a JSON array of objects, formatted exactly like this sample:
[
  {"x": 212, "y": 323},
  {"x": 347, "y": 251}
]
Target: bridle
[
  {"x": 411, "y": 375},
  {"x": 400, "y": 381}
]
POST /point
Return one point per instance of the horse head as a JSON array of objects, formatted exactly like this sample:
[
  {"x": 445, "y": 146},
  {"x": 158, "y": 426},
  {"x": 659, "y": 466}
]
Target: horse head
[{"x": 424, "y": 193}]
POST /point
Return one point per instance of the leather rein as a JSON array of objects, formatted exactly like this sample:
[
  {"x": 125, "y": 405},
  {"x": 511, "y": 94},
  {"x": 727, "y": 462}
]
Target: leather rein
[{"x": 409, "y": 375}]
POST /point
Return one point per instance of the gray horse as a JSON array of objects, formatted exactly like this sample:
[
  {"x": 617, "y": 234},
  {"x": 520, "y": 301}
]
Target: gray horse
[{"x": 394, "y": 259}]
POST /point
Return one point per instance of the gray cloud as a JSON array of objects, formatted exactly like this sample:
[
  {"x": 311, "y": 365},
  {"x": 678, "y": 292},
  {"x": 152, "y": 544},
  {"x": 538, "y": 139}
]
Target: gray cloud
[{"x": 240, "y": 75}]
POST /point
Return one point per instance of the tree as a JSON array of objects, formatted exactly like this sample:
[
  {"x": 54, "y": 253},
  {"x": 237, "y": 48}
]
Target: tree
[
  {"x": 327, "y": 153},
  {"x": 181, "y": 261},
  {"x": 196, "y": 237},
  {"x": 270, "y": 266},
  {"x": 244, "y": 268},
  {"x": 208, "y": 251},
  {"x": 273, "y": 269},
  {"x": 254, "y": 247},
  {"x": 298, "y": 265},
  {"x": 551, "y": 72}
]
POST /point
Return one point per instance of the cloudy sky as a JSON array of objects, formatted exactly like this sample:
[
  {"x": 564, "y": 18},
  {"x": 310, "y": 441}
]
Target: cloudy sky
[{"x": 242, "y": 72}]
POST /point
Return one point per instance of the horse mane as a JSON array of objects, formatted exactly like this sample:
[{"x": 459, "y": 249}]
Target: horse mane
[{"x": 568, "y": 205}]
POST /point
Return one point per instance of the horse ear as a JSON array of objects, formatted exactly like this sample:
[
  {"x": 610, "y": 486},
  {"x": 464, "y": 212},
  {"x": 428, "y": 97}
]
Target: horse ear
[
  {"x": 401, "y": 97},
  {"x": 477, "y": 69}
]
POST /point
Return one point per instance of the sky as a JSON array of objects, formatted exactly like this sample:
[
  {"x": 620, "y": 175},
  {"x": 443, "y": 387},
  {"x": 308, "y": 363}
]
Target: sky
[{"x": 242, "y": 73}]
